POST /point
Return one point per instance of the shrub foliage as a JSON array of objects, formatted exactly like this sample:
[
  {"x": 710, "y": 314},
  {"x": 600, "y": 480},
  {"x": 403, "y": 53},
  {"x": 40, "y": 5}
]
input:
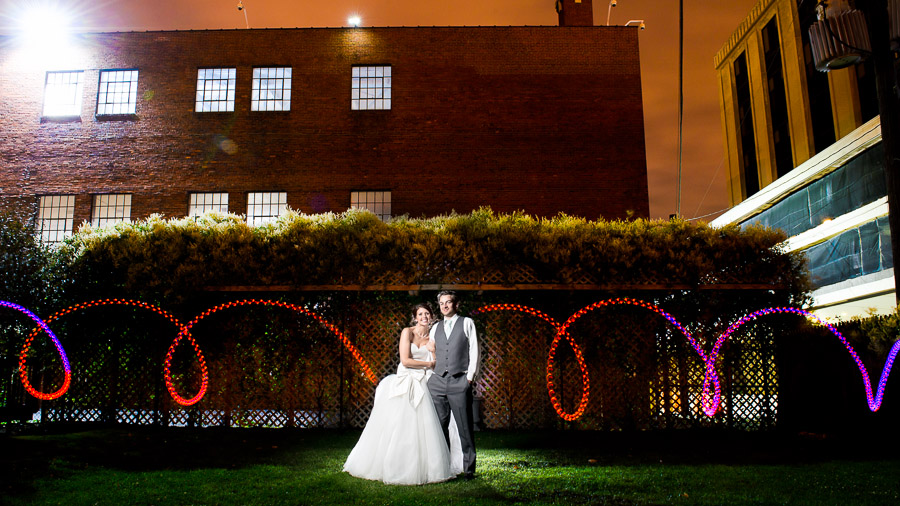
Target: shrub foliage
[{"x": 165, "y": 257}]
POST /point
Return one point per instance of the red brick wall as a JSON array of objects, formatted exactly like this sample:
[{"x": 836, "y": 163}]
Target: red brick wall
[
  {"x": 542, "y": 119},
  {"x": 575, "y": 12}
]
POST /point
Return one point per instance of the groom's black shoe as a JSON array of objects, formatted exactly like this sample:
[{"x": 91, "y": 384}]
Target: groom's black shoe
[{"x": 470, "y": 476}]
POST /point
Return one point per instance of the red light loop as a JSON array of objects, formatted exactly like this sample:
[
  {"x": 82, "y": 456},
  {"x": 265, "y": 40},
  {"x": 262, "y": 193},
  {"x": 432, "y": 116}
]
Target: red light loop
[
  {"x": 579, "y": 357},
  {"x": 205, "y": 376},
  {"x": 23, "y": 355}
]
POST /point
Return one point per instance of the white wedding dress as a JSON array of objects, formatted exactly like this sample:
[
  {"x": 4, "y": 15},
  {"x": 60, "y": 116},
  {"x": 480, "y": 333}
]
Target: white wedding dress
[{"x": 402, "y": 442}]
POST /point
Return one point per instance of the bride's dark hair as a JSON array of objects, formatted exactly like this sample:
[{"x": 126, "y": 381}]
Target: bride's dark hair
[{"x": 424, "y": 305}]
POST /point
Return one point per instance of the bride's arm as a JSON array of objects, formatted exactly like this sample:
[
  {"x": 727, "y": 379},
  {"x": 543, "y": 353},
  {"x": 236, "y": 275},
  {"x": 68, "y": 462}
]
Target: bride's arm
[{"x": 405, "y": 350}]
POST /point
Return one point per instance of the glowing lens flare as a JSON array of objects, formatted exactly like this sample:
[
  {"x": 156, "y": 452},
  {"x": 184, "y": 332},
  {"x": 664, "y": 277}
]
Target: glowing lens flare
[{"x": 45, "y": 27}]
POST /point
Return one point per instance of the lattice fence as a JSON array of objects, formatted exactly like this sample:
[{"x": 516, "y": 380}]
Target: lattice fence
[{"x": 273, "y": 367}]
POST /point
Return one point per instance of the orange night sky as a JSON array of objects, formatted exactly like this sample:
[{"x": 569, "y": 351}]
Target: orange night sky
[{"x": 707, "y": 26}]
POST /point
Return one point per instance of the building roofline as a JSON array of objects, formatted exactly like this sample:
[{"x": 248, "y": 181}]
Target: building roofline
[
  {"x": 738, "y": 35},
  {"x": 203, "y": 30}
]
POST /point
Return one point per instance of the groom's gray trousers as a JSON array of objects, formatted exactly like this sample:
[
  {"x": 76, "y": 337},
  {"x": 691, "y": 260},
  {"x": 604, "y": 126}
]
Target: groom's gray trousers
[{"x": 453, "y": 393}]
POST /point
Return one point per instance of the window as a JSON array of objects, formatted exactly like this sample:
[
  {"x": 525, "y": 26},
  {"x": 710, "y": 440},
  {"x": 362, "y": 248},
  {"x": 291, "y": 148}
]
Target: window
[
  {"x": 117, "y": 93},
  {"x": 379, "y": 202},
  {"x": 370, "y": 88},
  {"x": 778, "y": 109},
  {"x": 743, "y": 105},
  {"x": 55, "y": 218},
  {"x": 215, "y": 90},
  {"x": 111, "y": 208},
  {"x": 271, "y": 89},
  {"x": 62, "y": 93},
  {"x": 208, "y": 202},
  {"x": 265, "y": 206}
]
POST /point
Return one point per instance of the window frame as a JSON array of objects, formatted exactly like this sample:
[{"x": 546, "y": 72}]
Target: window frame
[
  {"x": 56, "y": 110},
  {"x": 206, "y": 206},
  {"x": 200, "y": 95},
  {"x": 285, "y": 89},
  {"x": 44, "y": 228},
  {"x": 130, "y": 105},
  {"x": 254, "y": 219},
  {"x": 374, "y": 201},
  {"x": 378, "y": 103},
  {"x": 99, "y": 219}
]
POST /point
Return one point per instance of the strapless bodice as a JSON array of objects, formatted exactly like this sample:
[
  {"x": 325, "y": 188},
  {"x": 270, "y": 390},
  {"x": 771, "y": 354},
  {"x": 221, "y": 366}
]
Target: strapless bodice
[{"x": 420, "y": 353}]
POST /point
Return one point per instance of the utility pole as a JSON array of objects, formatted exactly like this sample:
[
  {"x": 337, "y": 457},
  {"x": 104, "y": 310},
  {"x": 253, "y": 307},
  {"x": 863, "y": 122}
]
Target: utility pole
[{"x": 680, "y": 105}]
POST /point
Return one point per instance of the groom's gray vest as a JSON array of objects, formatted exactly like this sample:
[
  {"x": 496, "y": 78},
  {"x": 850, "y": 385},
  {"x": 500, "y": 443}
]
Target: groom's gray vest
[{"x": 451, "y": 355}]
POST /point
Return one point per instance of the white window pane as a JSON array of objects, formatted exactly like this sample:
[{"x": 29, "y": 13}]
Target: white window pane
[{"x": 370, "y": 88}]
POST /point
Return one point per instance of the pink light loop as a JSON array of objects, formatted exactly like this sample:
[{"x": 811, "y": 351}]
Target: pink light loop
[
  {"x": 709, "y": 400},
  {"x": 873, "y": 401}
]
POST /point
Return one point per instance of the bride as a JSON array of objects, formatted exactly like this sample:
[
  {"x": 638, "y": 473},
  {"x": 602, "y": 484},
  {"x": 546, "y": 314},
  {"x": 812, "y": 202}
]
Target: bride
[{"x": 402, "y": 442}]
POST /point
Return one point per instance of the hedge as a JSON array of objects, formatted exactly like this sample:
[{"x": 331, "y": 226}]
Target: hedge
[{"x": 169, "y": 257}]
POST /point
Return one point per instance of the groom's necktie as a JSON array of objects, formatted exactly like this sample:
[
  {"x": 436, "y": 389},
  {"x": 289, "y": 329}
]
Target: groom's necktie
[{"x": 448, "y": 324}]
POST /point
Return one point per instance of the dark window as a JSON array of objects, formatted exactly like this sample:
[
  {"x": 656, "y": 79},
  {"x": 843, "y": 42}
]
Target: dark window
[
  {"x": 851, "y": 254},
  {"x": 853, "y": 185},
  {"x": 778, "y": 111},
  {"x": 868, "y": 94},
  {"x": 749, "y": 170},
  {"x": 816, "y": 85}
]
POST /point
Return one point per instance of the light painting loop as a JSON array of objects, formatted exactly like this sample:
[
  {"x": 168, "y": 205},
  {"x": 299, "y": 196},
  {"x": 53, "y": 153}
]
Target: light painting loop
[
  {"x": 23, "y": 371},
  {"x": 551, "y": 384},
  {"x": 874, "y": 401},
  {"x": 710, "y": 397},
  {"x": 205, "y": 374}
]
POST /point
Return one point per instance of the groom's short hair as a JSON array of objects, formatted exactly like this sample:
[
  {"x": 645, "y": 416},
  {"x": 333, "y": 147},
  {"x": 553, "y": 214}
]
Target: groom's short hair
[{"x": 450, "y": 293}]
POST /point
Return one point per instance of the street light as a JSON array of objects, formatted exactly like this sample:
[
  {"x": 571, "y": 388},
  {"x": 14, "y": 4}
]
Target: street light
[{"x": 45, "y": 27}]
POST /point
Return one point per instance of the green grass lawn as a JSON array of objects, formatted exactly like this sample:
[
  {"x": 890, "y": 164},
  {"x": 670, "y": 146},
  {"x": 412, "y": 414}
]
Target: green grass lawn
[{"x": 138, "y": 465}]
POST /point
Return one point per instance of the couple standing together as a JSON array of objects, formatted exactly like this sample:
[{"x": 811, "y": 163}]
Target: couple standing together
[{"x": 420, "y": 429}]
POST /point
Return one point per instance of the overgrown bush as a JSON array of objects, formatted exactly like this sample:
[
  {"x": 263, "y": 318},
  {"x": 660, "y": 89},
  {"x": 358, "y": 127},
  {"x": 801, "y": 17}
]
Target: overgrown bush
[
  {"x": 176, "y": 256},
  {"x": 31, "y": 274},
  {"x": 873, "y": 335},
  {"x": 34, "y": 276}
]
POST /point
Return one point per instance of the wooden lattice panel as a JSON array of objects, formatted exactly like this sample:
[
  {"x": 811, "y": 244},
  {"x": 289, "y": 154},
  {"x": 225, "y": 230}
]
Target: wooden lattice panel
[
  {"x": 274, "y": 367},
  {"x": 513, "y": 370},
  {"x": 378, "y": 335}
]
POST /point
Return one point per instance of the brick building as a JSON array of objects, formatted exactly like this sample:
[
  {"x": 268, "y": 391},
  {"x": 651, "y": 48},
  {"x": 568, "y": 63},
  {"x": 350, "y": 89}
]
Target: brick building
[{"x": 402, "y": 120}]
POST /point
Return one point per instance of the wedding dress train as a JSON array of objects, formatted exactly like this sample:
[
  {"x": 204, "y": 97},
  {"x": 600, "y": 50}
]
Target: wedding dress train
[{"x": 402, "y": 442}]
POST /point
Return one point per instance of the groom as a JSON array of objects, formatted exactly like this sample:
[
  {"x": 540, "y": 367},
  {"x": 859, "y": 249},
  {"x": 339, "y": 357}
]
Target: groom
[{"x": 456, "y": 362}]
